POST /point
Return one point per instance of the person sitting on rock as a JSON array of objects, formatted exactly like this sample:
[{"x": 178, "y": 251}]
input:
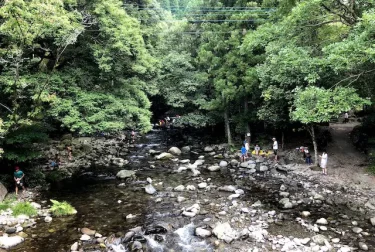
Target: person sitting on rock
[
  {"x": 257, "y": 149},
  {"x": 56, "y": 162}
]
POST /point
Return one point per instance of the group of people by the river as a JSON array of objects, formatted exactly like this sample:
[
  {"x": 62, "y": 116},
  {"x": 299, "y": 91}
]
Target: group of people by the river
[{"x": 245, "y": 154}]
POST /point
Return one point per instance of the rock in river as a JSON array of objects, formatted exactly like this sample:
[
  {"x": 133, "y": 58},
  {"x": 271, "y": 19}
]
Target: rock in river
[
  {"x": 202, "y": 185},
  {"x": 124, "y": 174},
  {"x": 213, "y": 168},
  {"x": 8, "y": 242},
  {"x": 150, "y": 189},
  {"x": 164, "y": 155},
  {"x": 179, "y": 188},
  {"x": 285, "y": 203},
  {"x": 322, "y": 221},
  {"x": 224, "y": 232},
  {"x": 201, "y": 232},
  {"x": 175, "y": 151}
]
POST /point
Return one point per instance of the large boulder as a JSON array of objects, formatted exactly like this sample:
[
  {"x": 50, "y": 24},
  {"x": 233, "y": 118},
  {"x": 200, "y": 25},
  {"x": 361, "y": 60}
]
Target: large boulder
[
  {"x": 125, "y": 174},
  {"x": 175, "y": 151},
  {"x": 3, "y": 192},
  {"x": 11, "y": 241},
  {"x": 164, "y": 155}
]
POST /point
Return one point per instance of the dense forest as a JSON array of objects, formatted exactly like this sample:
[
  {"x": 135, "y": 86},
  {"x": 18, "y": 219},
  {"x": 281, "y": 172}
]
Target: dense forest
[{"x": 108, "y": 65}]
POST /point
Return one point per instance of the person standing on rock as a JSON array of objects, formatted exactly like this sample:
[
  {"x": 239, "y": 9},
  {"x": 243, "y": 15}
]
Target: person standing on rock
[
  {"x": 323, "y": 162},
  {"x": 247, "y": 146},
  {"x": 69, "y": 150},
  {"x": 275, "y": 148},
  {"x": 257, "y": 149},
  {"x": 346, "y": 117},
  {"x": 18, "y": 178},
  {"x": 243, "y": 153}
]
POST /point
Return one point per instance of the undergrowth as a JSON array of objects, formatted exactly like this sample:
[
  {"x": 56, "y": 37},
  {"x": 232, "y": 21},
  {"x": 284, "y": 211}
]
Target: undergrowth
[
  {"x": 24, "y": 208},
  {"x": 62, "y": 208}
]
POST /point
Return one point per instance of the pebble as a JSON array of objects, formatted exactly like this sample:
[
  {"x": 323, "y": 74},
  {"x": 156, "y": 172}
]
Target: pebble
[
  {"x": 179, "y": 188},
  {"x": 305, "y": 214},
  {"x": 202, "y": 185},
  {"x": 87, "y": 231},
  {"x": 85, "y": 237},
  {"x": 48, "y": 219},
  {"x": 335, "y": 240},
  {"x": 357, "y": 230},
  {"x": 322, "y": 221},
  {"x": 201, "y": 232},
  {"x": 363, "y": 246},
  {"x": 74, "y": 247}
]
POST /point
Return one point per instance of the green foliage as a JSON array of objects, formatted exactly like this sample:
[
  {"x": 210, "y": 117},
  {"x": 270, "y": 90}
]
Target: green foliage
[
  {"x": 315, "y": 105},
  {"x": 24, "y": 208},
  {"x": 62, "y": 208}
]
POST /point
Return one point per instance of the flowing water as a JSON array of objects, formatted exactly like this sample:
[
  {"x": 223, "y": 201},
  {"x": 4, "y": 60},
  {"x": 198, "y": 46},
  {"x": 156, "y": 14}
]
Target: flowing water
[{"x": 103, "y": 206}]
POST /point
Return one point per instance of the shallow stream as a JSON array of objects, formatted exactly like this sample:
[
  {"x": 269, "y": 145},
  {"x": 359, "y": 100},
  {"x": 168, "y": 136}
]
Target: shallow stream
[{"x": 103, "y": 206}]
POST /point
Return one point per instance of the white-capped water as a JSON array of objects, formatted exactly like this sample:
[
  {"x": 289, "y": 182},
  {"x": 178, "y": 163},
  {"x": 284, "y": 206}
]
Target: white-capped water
[{"x": 189, "y": 242}]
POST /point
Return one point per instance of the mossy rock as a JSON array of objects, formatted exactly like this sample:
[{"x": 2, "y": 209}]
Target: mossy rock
[
  {"x": 67, "y": 137},
  {"x": 66, "y": 142}
]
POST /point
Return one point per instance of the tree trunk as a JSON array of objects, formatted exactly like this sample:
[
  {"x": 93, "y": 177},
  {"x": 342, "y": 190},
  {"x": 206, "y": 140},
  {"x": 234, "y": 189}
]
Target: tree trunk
[
  {"x": 282, "y": 140},
  {"x": 312, "y": 133},
  {"x": 227, "y": 127},
  {"x": 248, "y": 129}
]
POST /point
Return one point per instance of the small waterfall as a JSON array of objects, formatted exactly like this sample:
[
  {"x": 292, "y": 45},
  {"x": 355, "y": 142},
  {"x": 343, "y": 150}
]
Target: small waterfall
[
  {"x": 153, "y": 245},
  {"x": 189, "y": 242}
]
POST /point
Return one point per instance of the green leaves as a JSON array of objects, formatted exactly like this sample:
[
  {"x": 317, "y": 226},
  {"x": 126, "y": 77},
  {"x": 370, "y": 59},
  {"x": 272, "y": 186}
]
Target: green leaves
[{"x": 316, "y": 105}]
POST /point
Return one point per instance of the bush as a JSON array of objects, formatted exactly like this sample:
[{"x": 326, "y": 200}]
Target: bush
[
  {"x": 24, "y": 208},
  {"x": 8, "y": 202},
  {"x": 62, "y": 208}
]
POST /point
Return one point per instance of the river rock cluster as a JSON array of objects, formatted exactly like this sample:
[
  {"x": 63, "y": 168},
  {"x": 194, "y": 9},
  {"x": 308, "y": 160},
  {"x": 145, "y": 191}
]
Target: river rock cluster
[{"x": 268, "y": 207}]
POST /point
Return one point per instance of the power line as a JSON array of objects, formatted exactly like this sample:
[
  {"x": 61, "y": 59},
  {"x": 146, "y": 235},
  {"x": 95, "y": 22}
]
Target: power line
[{"x": 203, "y": 20}]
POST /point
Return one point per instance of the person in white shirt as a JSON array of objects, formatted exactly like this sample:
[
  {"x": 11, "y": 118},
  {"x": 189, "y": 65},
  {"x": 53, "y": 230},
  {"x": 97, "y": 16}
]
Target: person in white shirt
[
  {"x": 323, "y": 162},
  {"x": 275, "y": 147}
]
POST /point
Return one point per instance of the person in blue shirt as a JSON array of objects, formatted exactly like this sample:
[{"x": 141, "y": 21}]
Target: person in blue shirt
[
  {"x": 18, "y": 178},
  {"x": 243, "y": 153}
]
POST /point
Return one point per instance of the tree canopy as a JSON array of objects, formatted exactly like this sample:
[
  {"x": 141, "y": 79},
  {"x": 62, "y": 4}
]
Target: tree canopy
[{"x": 96, "y": 66}]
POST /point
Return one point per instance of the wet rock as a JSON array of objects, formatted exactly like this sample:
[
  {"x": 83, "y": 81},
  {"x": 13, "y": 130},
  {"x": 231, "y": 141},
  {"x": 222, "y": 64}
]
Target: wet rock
[
  {"x": 8, "y": 242},
  {"x": 233, "y": 196},
  {"x": 372, "y": 221},
  {"x": 202, "y": 185},
  {"x": 190, "y": 188},
  {"x": 97, "y": 235},
  {"x": 150, "y": 189},
  {"x": 125, "y": 174},
  {"x": 130, "y": 216},
  {"x": 175, "y": 151},
  {"x": 164, "y": 156},
  {"x": 199, "y": 162},
  {"x": 136, "y": 246},
  {"x": 322, "y": 221},
  {"x": 284, "y": 194},
  {"x": 239, "y": 191},
  {"x": 149, "y": 180},
  {"x": 157, "y": 229},
  {"x": 305, "y": 241},
  {"x": 191, "y": 211},
  {"x": 196, "y": 173},
  {"x": 154, "y": 152},
  {"x": 335, "y": 240},
  {"x": 223, "y": 163},
  {"x": 185, "y": 149},
  {"x": 179, "y": 188},
  {"x": 282, "y": 188},
  {"x": 263, "y": 168},
  {"x": 357, "y": 230},
  {"x": 285, "y": 203},
  {"x": 305, "y": 214},
  {"x": 214, "y": 168},
  {"x": 180, "y": 199},
  {"x": 224, "y": 231},
  {"x": 181, "y": 169},
  {"x": 245, "y": 210},
  {"x": 10, "y": 230},
  {"x": 363, "y": 246},
  {"x": 85, "y": 237},
  {"x": 74, "y": 247},
  {"x": 128, "y": 236},
  {"x": 228, "y": 188},
  {"x": 234, "y": 162},
  {"x": 201, "y": 232},
  {"x": 318, "y": 197},
  {"x": 319, "y": 239},
  {"x": 87, "y": 231},
  {"x": 184, "y": 161},
  {"x": 208, "y": 149},
  {"x": 257, "y": 204}
]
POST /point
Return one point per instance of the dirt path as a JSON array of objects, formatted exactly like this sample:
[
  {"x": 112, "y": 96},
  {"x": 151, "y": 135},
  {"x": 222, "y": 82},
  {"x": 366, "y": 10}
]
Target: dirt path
[{"x": 346, "y": 165}]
